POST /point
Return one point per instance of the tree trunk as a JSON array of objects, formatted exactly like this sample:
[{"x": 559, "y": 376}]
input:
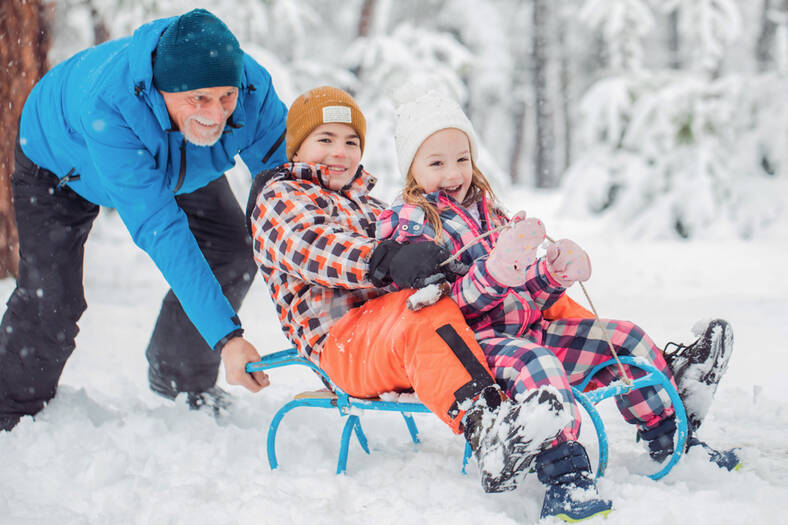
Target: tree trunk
[
  {"x": 24, "y": 44},
  {"x": 764, "y": 50},
  {"x": 520, "y": 88},
  {"x": 518, "y": 135},
  {"x": 365, "y": 20},
  {"x": 100, "y": 30},
  {"x": 674, "y": 39},
  {"x": 565, "y": 89},
  {"x": 543, "y": 158}
]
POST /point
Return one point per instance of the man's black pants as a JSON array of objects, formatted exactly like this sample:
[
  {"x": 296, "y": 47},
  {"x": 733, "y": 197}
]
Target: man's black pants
[{"x": 40, "y": 322}]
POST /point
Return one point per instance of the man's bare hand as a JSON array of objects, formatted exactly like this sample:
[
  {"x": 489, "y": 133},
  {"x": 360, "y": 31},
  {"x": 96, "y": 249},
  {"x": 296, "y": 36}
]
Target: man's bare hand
[{"x": 235, "y": 355}]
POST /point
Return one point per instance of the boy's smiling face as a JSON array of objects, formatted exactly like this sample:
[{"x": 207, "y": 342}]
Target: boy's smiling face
[
  {"x": 443, "y": 162},
  {"x": 338, "y": 147}
]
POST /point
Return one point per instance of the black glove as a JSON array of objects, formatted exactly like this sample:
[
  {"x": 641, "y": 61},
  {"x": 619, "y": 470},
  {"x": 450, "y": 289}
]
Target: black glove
[
  {"x": 409, "y": 265},
  {"x": 380, "y": 261}
]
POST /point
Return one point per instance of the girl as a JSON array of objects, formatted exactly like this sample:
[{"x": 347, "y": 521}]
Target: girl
[{"x": 506, "y": 294}]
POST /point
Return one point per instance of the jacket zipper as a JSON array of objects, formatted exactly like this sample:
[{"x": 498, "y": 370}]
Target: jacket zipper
[
  {"x": 182, "y": 172},
  {"x": 139, "y": 91}
]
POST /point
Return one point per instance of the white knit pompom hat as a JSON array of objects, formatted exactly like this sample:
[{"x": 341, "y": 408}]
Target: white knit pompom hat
[{"x": 420, "y": 117}]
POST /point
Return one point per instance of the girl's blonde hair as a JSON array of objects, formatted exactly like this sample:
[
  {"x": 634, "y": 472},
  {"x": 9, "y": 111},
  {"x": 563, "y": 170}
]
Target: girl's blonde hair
[{"x": 414, "y": 194}]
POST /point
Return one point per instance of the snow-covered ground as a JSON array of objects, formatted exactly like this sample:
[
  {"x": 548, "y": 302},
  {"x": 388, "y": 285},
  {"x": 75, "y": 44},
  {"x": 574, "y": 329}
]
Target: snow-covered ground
[{"x": 108, "y": 451}]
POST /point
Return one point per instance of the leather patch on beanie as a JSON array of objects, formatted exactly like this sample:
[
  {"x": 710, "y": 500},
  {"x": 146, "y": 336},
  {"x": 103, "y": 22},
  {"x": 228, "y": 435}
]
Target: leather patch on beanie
[{"x": 339, "y": 114}]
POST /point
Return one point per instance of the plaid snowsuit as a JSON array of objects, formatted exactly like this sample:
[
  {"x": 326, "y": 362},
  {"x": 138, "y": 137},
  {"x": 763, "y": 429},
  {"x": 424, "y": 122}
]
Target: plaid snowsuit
[
  {"x": 524, "y": 349},
  {"x": 312, "y": 246}
]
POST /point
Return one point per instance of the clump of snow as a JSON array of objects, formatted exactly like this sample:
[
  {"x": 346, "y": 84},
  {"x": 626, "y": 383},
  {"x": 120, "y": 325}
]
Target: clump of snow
[
  {"x": 426, "y": 296},
  {"x": 400, "y": 397}
]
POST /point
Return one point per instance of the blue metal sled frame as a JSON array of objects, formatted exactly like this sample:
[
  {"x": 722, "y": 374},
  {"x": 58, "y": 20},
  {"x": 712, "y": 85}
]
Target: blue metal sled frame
[{"x": 349, "y": 406}]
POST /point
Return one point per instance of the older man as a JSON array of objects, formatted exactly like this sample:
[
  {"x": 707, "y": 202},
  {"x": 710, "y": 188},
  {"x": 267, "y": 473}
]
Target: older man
[{"x": 147, "y": 125}]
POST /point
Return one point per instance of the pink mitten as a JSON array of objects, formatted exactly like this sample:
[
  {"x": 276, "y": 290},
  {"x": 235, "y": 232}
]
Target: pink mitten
[
  {"x": 515, "y": 250},
  {"x": 567, "y": 262}
]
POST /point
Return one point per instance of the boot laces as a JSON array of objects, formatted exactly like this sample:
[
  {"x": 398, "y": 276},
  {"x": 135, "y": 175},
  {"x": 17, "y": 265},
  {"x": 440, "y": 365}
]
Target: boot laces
[
  {"x": 678, "y": 349},
  {"x": 673, "y": 351}
]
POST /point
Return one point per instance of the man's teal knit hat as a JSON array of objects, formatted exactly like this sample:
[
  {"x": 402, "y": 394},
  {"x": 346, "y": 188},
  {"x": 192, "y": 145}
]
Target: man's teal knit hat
[{"x": 197, "y": 51}]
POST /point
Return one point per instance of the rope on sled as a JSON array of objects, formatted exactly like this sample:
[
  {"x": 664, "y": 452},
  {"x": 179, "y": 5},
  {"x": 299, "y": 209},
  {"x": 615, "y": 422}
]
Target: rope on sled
[
  {"x": 624, "y": 376},
  {"x": 474, "y": 241}
]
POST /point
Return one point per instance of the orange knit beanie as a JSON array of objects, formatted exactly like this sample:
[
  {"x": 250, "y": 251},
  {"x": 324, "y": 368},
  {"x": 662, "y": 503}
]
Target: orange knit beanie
[{"x": 322, "y": 105}]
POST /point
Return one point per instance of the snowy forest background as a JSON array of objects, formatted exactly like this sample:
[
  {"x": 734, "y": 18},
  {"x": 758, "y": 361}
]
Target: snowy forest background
[
  {"x": 664, "y": 118},
  {"x": 653, "y": 132}
]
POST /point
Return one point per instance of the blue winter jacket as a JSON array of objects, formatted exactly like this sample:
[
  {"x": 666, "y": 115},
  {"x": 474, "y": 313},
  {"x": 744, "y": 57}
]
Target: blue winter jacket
[{"x": 97, "y": 122}]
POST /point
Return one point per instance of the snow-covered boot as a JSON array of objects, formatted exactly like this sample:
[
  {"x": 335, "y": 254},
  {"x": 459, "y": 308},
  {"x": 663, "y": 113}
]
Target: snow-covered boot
[
  {"x": 698, "y": 367},
  {"x": 216, "y": 400},
  {"x": 571, "y": 491},
  {"x": 661, "y": 446},
  {"x": 506, "y": 435}
]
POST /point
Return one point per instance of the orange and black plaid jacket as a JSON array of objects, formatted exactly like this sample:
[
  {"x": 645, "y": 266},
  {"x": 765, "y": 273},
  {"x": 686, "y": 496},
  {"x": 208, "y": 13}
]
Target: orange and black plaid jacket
[{"x": 312, "y": 245}]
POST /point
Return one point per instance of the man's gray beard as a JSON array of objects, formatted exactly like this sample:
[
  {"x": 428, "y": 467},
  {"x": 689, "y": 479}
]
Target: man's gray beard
[{"x": 196, "y": 140}]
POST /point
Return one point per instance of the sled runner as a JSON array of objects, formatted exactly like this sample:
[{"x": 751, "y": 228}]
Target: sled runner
[
  {"x": 332, "y": 399},
  {"x": 350, "y": 407}
]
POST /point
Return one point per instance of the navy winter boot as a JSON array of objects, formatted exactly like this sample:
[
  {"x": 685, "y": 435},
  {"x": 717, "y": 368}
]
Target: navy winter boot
[
  {"x": 727, "y": 459},
  {"x": 660, "y": 439},
  {"x": 214, "y": 400},
  {"x": 661, "y": 446},
  {"x": 571, "y": 491}
]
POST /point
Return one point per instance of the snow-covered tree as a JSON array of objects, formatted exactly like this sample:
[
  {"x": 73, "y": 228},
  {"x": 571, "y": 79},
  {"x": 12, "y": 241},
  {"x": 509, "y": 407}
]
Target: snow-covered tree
[
  {"x": 708, "y": 27},
  {"x": 678, "y": 152},
  {"x": 672, "y": 112},
  {"x": 388, "y": 59},
  {"x": 623, "y": 24}
]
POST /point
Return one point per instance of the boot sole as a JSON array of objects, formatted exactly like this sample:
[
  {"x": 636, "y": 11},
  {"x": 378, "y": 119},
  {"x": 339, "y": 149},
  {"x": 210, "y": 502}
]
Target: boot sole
[
  {"x": 721, "y": 348},
  {"x": 569, "y": 519},
  {"x": 719, "y": 337}
]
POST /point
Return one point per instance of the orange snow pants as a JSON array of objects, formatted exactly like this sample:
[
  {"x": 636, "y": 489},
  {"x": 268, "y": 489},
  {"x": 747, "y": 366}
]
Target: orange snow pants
[
  {"x": 566, "y": 308},
  {"x": 382, "y": 346}
]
